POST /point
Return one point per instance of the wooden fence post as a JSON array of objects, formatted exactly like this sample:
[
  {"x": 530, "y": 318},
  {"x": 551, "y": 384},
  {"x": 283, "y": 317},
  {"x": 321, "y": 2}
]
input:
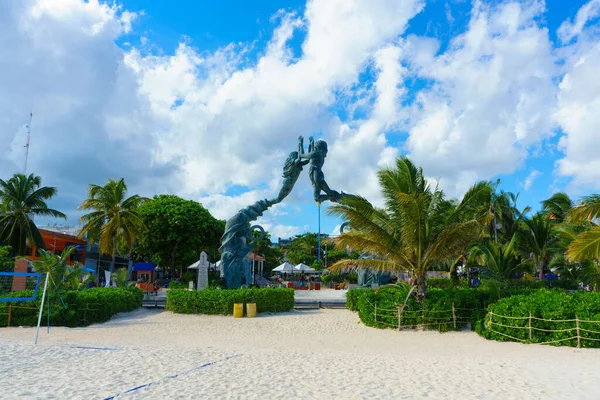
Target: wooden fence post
[
  {"x": 400, "y": 311},
  {"x": 530, "y": 329},
  {"x": 9, "y": 313},
  {"x": 578, "y": 332},
  {"x": 375, "y": 312},
  {"x": 454, "y": 315}
]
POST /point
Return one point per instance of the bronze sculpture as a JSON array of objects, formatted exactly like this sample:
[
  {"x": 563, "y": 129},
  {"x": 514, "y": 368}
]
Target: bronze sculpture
[{"x": 236, "y": 241}]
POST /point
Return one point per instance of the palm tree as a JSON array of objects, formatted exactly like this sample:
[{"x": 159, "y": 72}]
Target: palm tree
[
  {"x": 500, "y": 261},
  {"x": 557, "y": 207},
  {"x": 537, "y": 241},
  {"x": 416, "y": 231},
  {"x": 506, "y": 215},
  {"x": 586, "y": 246},
  {"x": 114, "y": 219},
  {"x": 57, "y": 265},
  {"x": 23, "y": 197}
]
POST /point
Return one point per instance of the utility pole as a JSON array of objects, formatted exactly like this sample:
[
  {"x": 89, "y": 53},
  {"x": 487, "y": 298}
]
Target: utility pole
[
  {"x": 28, "y": 126},
  {"x": 319, "y": 232}
]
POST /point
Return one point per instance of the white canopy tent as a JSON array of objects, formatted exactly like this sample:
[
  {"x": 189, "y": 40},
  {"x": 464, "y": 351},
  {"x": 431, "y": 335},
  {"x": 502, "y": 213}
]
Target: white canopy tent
[
  {"x": 285, "y": 267},
  {"x": 304, "y": 268}
]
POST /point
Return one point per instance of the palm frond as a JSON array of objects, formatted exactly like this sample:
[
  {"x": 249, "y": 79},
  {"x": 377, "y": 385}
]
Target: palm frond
[{"x": 586, "y": 246}]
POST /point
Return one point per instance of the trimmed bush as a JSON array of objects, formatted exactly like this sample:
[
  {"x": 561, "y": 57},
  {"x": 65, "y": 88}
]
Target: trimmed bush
[
  {"x": 434, "y": 313},
  {"x": 379, "y": 307},
  {"x": 554, "y": 305},
  {"x": 440, "y": 283},
  {"x": 213, "y": 301},
  {"x": 83, "y": 307}
]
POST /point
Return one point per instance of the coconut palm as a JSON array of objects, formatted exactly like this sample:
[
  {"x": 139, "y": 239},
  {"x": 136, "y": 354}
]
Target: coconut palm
[
  {"x": 23, "y": 197},
  {"x": 501, "y": 262},
  {"x": 416, "y": 231},
  {"x": 536, "y": 241},
  {"x": 77, "y": 277},
  {"x": 586, "y": 246},
  {"x": 56, "y": 264},
  {"x": 557, "y": 207},
  {"x": 122, "y": 279},
  {"x": 506, "y": 215},
  {"x": 114, "y": 218}
]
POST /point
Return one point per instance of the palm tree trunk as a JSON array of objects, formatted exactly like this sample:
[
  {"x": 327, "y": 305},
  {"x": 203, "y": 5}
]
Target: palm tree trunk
[
  {"x": 22, "y": 243},
  {"x": 420, "y": 282},
  {"x": 114, "y": 255}
]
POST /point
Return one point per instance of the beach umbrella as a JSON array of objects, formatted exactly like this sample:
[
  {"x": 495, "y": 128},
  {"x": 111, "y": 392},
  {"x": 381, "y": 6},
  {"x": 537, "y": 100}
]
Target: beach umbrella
[
  {"x": 285, "y": 267},
  {"x": 304, "y": 268}
]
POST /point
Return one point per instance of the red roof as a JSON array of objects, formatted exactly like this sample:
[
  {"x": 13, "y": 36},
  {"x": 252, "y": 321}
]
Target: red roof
[{"x": 256, "y": 257}]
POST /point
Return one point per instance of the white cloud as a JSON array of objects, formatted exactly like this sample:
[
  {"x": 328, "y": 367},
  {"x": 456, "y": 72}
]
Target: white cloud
[
  {"x": 577, "y": 113},
  {"x": 201, "y": 124},
  {"x": 488, "y": 96},
  {"x": 533, "y": 175},
  {"x": 588, "y": 12}
]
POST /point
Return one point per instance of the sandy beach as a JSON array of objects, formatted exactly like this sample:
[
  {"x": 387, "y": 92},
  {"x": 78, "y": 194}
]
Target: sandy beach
[{"x": 301, "y": 354}]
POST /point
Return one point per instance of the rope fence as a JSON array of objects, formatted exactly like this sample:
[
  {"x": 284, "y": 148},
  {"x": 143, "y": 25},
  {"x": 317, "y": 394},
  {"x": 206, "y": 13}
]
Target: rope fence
[
  {"x": 581, "y": 334},
  {"x": 527, "y": 329},
  {"x": 397, "y": 317}
]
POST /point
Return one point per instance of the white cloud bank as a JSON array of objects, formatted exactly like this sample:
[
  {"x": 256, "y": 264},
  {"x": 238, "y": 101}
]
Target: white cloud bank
[{"x": 198, "y": 123}]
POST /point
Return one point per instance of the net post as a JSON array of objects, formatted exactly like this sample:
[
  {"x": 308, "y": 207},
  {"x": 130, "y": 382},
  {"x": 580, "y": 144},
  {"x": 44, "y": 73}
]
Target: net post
[
  {"x": 37, "y": 331},
  {"x": 9, "y": 313}
]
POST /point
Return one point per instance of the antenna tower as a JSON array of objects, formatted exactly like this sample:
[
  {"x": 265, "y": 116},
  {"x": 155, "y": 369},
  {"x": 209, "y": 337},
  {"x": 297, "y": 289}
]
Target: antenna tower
[{"x": 28, "y": 126}]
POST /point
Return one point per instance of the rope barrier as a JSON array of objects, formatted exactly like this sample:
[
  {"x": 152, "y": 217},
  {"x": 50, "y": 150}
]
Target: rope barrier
[
  {"x": 510, "y": 326},
  {"x": 558, "y": 341},
  {"x": 553, "y": 330},
  {"x": 587, "y": 330},
  {"x": 508, "y": 336}
]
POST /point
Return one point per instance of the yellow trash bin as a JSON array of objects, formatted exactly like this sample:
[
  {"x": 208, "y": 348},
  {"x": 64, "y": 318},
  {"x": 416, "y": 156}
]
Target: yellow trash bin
[
  {"x": 238, "y": 310},
  {"x": 251, "y": 310}
]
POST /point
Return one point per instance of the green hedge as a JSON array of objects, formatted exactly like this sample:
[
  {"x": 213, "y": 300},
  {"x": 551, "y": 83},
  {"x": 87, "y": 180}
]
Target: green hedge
[
  {"x": 83, "y": 307},
  {"x": 212, "y": 301},
  {"x": 435, "y": 312},
  {"x": 548, "y": 305}
]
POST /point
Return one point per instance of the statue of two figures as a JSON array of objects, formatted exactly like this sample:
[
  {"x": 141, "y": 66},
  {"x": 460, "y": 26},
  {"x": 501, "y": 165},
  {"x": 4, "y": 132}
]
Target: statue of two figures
[{"x": 236, "y": 242}]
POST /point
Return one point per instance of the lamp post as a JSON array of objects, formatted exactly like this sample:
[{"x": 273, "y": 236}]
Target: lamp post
[{"x": 319, "y": 232}]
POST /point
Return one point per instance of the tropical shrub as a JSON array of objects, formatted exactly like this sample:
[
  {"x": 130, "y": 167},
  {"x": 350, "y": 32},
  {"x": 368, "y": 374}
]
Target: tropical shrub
[
  {"x": 440, "y": 283},
  {"x": 379, "y": 307},
  {"x": 211, "y": 301},
  {"x": 434, "y": 312},
  {"x": 81, "y": 308},
  {"x": 553, "y": 318}
]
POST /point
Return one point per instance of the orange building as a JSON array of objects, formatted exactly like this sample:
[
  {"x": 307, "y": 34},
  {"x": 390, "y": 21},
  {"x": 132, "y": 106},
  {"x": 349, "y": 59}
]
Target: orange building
[{"x": 56, "y": 242}]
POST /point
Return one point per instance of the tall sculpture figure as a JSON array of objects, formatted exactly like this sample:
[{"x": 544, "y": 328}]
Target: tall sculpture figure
[
  {"x": 316, "y": 154},
  {"x": 236, "y": 241}
]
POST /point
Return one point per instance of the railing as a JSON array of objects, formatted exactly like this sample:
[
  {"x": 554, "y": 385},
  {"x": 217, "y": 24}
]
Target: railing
[
  {"x": 526, "y": 324},
  {"x": 397, "y": 316}
]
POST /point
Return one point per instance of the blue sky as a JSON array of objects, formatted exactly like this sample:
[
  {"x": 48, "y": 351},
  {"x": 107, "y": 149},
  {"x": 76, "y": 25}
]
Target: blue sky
[{"x": 205, "y": 99}]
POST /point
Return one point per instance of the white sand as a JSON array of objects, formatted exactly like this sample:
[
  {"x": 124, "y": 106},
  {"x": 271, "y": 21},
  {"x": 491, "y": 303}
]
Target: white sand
[{"x": 303, "y": 354}]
